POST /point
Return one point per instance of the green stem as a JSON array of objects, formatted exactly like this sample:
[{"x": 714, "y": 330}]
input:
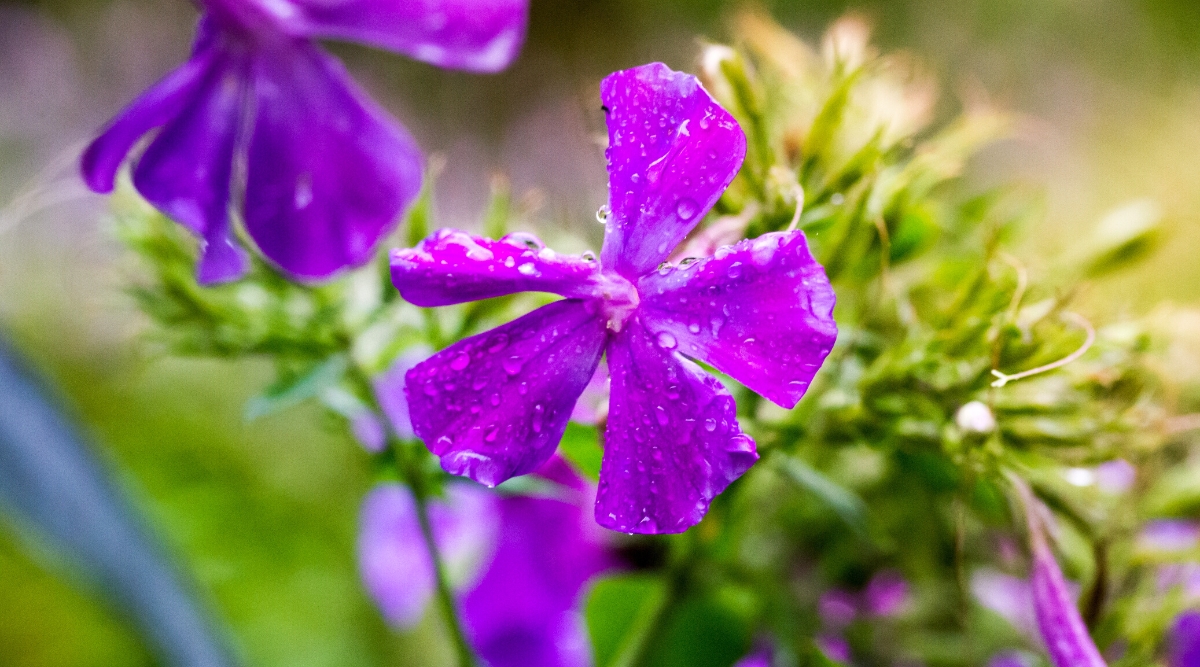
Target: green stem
[
  {"x": 449, "y": 609},
  {"x": 648, "y": 626}
]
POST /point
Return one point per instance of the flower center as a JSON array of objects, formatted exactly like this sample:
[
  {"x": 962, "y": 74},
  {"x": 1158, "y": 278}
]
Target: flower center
[{"x": 616, "y": 298}]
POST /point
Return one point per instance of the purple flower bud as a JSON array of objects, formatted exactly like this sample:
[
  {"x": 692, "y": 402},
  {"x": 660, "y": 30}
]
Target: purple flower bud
[{"x": 1062, "y": 628}]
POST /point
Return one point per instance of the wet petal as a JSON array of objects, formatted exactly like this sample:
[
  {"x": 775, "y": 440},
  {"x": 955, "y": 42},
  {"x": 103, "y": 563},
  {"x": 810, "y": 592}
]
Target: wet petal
[
  {"x": 103, "y": 158},
  {"x": 672, "y": 442},
  {"x": 455, "y": 267},
  {"x": 389, "y": 390},
  {"x": 671, "y": 152},
  {"x": 495, "y": 405},
  {"x": 187, "y": 170},
  {"x": 329, "y": 172},
  {"x": 761, "y": 311},
  {"x": 393, "y": 558},
  {"x": 476, "y": 35}
]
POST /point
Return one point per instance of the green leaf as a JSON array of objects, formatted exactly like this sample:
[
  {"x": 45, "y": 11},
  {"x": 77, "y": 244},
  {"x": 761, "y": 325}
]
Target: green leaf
[
  {"x": 291, "y": 391},
  {"x": 844, "y": 502},
  {"x": 614, "y": 609}
]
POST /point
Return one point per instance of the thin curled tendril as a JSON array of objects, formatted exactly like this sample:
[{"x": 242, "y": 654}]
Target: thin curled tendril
[{"x": 1004, "y": 378}]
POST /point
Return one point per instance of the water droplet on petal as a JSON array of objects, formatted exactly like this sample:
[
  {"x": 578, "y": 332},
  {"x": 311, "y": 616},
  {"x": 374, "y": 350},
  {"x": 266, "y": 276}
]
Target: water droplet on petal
[
  {"x": 660, "y": 413},
  {"x": 461, "y": 361},
  {"x": 495, "y": 400},
  {"x": 694, "y": 328},
  {"x": 498, "y": 343},
  {"x": 666, "y": 341},
  {"x": 710, "y": 424},
  {"x": 431, "y": 389},
  {"x": 603, "y": 212},
  {"x": 686, "y": 208},
  {"x": 512, "y": 365},
  {"x": 491, "y": 434}
]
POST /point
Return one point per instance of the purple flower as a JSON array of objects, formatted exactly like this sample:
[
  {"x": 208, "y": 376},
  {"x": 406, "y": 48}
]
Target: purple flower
[
  {"x": 262, "y": 118},
  {"x": 837, "y": 607},
  {"x": 761, "y": 657},
  {"x": 886, "y": 594},
  {"x": 532, "y": 558},
  {"x": 834, "y": 647},
  {"x": 1010, "y": 659},
  {"x": 1010, "y": 597},
  {"x": 1185, "y": 640},
  {"x": 495, "y": 405},
  {"x": 1167, "y": 535},
  {"x": 1062, "y": 628}
]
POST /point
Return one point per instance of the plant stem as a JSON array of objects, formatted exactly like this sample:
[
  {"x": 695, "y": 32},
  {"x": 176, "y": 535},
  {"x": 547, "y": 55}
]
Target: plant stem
[{"x": 450, "y": 615}]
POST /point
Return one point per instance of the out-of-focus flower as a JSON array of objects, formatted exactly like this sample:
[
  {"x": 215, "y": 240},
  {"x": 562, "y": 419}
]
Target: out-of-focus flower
[
  {"x": 887, "y": 594},
  {"x": 837, "y": 608},
  {"x": 834, "y": 647},
  {"x": 521, "y": 565},
  {"x": 1062, "y": 628},
  {"x": 261, "y": 118},
  {"x": 1183, "y": 575},
  {"x": 1185, "y": 640},
  {"x": 1169, "y": 535},
  {"x": 1116, "y": 476},
  {"x": 1010, "y": 659},
  {"x": 368, "y": 427},
  {"x": 1008, "y": 596},
  {"x": 495, "y": 405},
  {"x": 760, "y": 657}
]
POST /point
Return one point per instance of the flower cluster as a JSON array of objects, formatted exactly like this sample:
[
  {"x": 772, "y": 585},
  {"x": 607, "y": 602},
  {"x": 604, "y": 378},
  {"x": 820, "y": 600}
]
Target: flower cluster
[
  {"x": 261, "y": 118},
  {"x": 495, "y": 405}
]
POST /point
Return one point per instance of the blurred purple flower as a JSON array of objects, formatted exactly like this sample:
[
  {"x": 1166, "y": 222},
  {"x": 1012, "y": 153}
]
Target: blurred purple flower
[
  {"x": 369, "y": 428},
  {"x": 1169, "y": 535},
  {"x": 530, "y": 559},
  {"x": 324, "y": 171},
  {"x": 837, "y": 608},
  {"x": 834, "y": 647},
  {"x": 1062, "y": 628},
  {"x": 1184, "y": 575},
  {"x": 759, "y": 658},
  {"x": 1010, "y": 597},
  {"x": 1185, "y": 640},
  {"x": 1116, "y": 476},
  {"x": 1010, "y": 659},
  {"x": 495, "y": 406},
  {"x": 886, "y": 594}
]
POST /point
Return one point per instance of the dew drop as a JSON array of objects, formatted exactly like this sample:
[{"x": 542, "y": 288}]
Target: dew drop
[
  {"x": 491, "y": 434},
  {"x": 666, "y": 341},
  {"x": 431, "y": 389},
  {"x": 604, "y": 211},
  {"x": 686, "y": 208},
  {"x": 694, "y": 328},
  {"x": 527, "y": 269},
  {"x": 710, "y": 424},
  {"x": 495, "y": 400},
  {"x": 498, "y": 343},
  {"x": 660, "y": 413},
  {"x": 509, "y": 262},
  {"x": 461, "y": 361},
  {"x": 588, "y": 256},
  {"x": 512, "y": 365}
]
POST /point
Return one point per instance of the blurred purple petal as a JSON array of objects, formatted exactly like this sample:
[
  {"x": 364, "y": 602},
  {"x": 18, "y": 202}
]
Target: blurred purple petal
[
  {"x": 452, "y": 267},
  {"x": 476, "y": 35},
  {"x": 761, "y": 311},
  {"x": 837, "y": 607},
  {"x": 495, "y": 405},
  {"x": 328, "y": 171},
  {"x": 389, "y": 390},
  {"x": 1010, "y": 597},
  {"x": 671, "y": 152},
  {"x": 1010, "y": 659},
  {"x": 520, "y": 614},
  {"x": 1117, "y": 476},
  {"x": 1062, "y": 628},
  {"x": 369, "y": 431},
  {"x": 186, "y": 171},
  {"x": 1168, "y": 535},
  {"x": 834, "y": 647},
  {"x": 672, "y": 442},
  {"x": 393, "y": 557},
  {"x": 1185, "y": 640},
  {"x": 886, "y": 594},
  {"x": 759, "y": 658},
  {"x": 175, "y": 92}
]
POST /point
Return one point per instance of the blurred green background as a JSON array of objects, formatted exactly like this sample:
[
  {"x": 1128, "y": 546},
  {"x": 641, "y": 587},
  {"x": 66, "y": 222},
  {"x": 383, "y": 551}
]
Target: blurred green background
[{"x": 263, "y": 514}]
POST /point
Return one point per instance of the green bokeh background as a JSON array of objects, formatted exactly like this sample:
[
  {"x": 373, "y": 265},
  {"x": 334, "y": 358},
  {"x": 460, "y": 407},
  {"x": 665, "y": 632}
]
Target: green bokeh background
[{"x": 263, "y": 515}]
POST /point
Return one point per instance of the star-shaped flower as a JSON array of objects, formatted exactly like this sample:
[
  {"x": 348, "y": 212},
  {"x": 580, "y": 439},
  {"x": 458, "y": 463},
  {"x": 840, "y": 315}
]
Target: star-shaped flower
[
  {"x": 262, "y": 118},
  {"x": 495, "y": 405}
]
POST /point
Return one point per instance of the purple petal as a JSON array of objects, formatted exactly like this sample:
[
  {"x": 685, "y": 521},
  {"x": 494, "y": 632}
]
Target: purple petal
[
  {"x": 454, "y": 267},
  {"x": 329, "y": 172},
  {"x": 1008, "y": 596},
  {"x": 672, "y": 442},
  {"x": 369, "y": 431},
  {"x": 475, "y": 35},
  {"x": 761, "y": 311},
  {"x": 760, "y": 658},
  {"x": 592, "y": 406},
  {"x": 103, "y": 158},
  {"x": 389, "y": 390},
  {"x": 886, "y": 594},
  {"x": 837, "y": 607},
  {"x": 1062, "y": 628},
  {"x": 187, "y": 170},
  {"x": 495, "y": 405},
  {"x": 521, "y": 613},
  {"x": 671, "y": 152},
  {"x": 1169, "y": 535},
  {"x": 1009, "y": 659},
  {"x": 393, "y": 557},
  {"x": 1185, "y": 640},
  {"x": 834, "y": 647}
]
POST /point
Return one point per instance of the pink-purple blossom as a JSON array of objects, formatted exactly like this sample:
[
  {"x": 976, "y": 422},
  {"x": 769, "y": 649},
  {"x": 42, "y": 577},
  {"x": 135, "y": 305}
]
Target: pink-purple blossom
[
  {"x": 520, "y": 565},
  {"x": 261, "y": 119},
  {"x": 495, "y": 405},
  {"x": 1184, "y": 640}
]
